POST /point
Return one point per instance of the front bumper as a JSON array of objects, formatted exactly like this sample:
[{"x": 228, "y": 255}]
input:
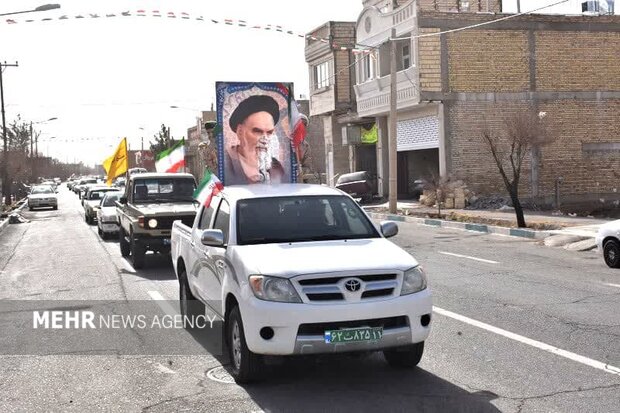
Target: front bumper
[
  {"x": 41, "y": 204},
  {"x": 286, "y": 319},
  {"x": 153, "y": 243},
  {"x": 109, "y": 227}
]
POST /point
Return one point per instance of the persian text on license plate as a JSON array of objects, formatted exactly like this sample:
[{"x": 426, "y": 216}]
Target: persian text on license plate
[{"x": 354, "y": 334}]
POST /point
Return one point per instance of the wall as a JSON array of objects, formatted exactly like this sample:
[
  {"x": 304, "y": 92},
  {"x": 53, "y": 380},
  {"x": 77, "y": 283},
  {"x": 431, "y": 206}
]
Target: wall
[
  {"x": 315, "y": 138},
  {"x": 566, "y": 66}
]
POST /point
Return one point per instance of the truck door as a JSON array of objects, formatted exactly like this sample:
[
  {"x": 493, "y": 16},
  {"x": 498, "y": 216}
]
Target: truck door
[
  {"x": 198, "y": 252},
  {"x": 212, "y": 275}
]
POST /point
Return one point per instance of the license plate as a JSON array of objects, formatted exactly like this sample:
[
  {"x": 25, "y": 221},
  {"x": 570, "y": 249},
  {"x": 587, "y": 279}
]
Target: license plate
[{"x": 353, "y": 335}]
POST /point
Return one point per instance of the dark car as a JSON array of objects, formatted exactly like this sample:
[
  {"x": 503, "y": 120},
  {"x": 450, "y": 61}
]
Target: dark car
[{"x": 360, "y": 184}]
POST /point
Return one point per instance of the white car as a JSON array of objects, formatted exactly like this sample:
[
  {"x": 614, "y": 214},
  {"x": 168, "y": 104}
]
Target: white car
[
  {"x": 300, "y": 269},
  {"x": 608, "y": 242},
  {"x": 42, "y": 196},
  {"x": 107, "y": 223}
]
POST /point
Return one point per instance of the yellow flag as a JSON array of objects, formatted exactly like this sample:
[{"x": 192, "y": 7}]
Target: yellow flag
[{"x": 117, "y": 164}]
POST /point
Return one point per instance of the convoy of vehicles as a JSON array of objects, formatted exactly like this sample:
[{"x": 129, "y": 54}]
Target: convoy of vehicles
[{"x": 257, "y": 255}]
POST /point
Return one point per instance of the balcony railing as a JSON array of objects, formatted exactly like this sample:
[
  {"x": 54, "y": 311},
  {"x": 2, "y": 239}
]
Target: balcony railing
[{"x": 373, "y": 96}]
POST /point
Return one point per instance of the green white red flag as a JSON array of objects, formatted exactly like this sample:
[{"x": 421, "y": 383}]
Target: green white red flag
[
  {"x": 208, "y": 188},
  {"x": 172, "y": 159}
]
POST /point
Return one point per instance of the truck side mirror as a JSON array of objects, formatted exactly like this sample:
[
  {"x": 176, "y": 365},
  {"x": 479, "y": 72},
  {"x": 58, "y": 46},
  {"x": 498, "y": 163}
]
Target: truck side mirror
[
  {"x": 123, "y": 200},
  {"x": 212, "y": 238},
  {"x": 389, "y": 229}
]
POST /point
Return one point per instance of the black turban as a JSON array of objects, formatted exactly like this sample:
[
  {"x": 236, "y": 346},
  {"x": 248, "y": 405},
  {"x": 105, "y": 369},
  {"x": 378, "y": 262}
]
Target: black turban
[{"x": 254, "y": 104}]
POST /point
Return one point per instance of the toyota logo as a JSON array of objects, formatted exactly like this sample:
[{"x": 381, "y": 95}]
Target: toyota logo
[{"x": 353, "y": 285}]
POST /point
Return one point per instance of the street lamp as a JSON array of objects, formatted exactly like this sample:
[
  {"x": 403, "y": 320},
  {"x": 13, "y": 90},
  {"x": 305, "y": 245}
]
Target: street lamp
[
  {"x": 44, "y": 7},
  {"x": 34, "y": 166}
]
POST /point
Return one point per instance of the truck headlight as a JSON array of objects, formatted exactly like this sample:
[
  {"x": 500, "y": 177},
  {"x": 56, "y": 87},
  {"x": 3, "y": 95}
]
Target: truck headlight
[
  {"x": 413, "y": 281},
  {"x": 273, "y": 289},
  {"x": 152, "y": 223}
]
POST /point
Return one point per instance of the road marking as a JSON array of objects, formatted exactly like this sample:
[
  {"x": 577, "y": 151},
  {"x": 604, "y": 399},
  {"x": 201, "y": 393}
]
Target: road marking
[
  {"x": 468, "y": 257},
  {"x": 613, "y": 285},
  {"x": 164, "y": 369},
  {"x": 163, "y": 303},
  {"x": 538, "y": 344}
]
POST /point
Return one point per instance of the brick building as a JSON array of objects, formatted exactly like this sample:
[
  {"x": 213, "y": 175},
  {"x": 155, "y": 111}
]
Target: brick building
[
  {"x": 332, "y": 101},
  {"x": 449, "y": 84}
]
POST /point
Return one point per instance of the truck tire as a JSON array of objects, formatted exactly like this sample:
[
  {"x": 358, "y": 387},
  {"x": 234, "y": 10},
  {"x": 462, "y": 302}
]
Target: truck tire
[
  {"x": 137, "y": 254},
  {"x": 245, "y": 365},
  {"x": 611, "y": 253},
  {"x": 190, "y": 306},
  {"x": 122, "y": 241},
  {"x": 404, "y": 357}
]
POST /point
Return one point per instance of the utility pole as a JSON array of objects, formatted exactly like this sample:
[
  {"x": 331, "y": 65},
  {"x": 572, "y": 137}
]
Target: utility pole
[
  {"x": 518, "y": 6},
  {"x": 6, "y": 182},
  {"x": 393, "y": 187}
]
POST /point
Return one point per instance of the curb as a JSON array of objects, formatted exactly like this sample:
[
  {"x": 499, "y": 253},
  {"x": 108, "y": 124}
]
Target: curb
[
  {"x": 466, "y": 226},
  {"x": 5, "y": 223}
]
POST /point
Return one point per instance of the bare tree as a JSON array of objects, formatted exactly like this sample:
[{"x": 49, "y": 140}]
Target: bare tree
[
  {"x": 439, "y": 185},
  {"x": 522, "y": 131}
]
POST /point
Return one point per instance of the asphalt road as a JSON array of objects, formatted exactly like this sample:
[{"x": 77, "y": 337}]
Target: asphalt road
[{"x": 517, "y": 327}]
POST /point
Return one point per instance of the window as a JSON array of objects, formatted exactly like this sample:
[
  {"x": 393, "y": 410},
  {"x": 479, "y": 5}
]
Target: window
[
  {"x": 110, "y": 199},
  {"x": 301, "y": 219},
  {"x": 321, "y": 75},
  {"x": 406, "y": 56},
  {"x": 164, "y": 190},
  {"x": 368, "y": 67},
  {"x": 207, "y": 214},
  {"x": 222, "y": 219}
]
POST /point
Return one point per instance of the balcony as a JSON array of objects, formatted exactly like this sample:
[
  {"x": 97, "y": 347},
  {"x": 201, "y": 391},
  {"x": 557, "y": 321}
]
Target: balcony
[
  {"x": 374, "y": 27},
  {"x": 373, "y": 96}
]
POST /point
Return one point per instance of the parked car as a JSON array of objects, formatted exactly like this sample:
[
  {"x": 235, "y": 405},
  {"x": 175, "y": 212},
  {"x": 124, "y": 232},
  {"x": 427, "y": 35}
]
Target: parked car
[
  {"x": 608, "y": 242},
  {"x": 107, "y": 221},
  {"x": 360, "y": 184},
  {"x": 91, "y": 201},
  {"x": 78, "y": 188},
  {"x": 152, "y": 201},
  {"x": 42, "y": 196},
  {"x": 300, "y": 269}
]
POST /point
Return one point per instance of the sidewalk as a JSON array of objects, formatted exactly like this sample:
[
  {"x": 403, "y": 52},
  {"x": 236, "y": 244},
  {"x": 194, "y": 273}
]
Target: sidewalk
[{"x": 541, "y": 224}]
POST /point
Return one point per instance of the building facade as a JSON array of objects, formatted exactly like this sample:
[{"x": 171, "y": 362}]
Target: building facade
[
  {"x": 332, "y": 102},
  {"x": 450, "y": 86}
]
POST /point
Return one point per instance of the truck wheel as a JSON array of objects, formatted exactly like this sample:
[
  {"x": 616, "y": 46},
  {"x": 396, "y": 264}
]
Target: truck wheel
[
  {"x": 404, "y": 357},
  {"x": 125, "y": 251},
  {"x": 611, "y": 254},
  {"x": 245, "y": 364},
  {"x": 190, "y": 306},
  {"x": 137, "y": 254}
]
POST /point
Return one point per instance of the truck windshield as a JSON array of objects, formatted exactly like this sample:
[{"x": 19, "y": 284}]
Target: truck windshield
[
  {"x": 163, "y": 190},
  {"x": 301, "y": 219},
  {"x": 110, "y": 199}
]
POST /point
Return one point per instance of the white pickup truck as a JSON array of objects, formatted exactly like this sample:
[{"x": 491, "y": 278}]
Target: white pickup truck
[{"x": 300, "y": 269}]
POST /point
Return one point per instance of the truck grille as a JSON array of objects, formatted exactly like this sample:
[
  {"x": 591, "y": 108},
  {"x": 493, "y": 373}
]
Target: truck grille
[
  {"x": 166, "y": 222},
  {"x": 333, "y": 288},
  {"x": 316, "y": 329}
]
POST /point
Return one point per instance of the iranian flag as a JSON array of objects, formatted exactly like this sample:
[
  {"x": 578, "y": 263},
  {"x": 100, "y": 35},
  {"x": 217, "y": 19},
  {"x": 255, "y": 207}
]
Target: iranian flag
[
  {"x": 209, "y": 187},
  {"x": 171, "y": 160}
]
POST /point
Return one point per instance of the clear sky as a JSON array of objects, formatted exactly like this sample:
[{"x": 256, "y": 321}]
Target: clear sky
[{"x": 107, "y": 78}]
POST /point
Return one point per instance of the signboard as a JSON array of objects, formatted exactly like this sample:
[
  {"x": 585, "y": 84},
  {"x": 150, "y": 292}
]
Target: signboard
[{"x": 254, "y": 144}]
